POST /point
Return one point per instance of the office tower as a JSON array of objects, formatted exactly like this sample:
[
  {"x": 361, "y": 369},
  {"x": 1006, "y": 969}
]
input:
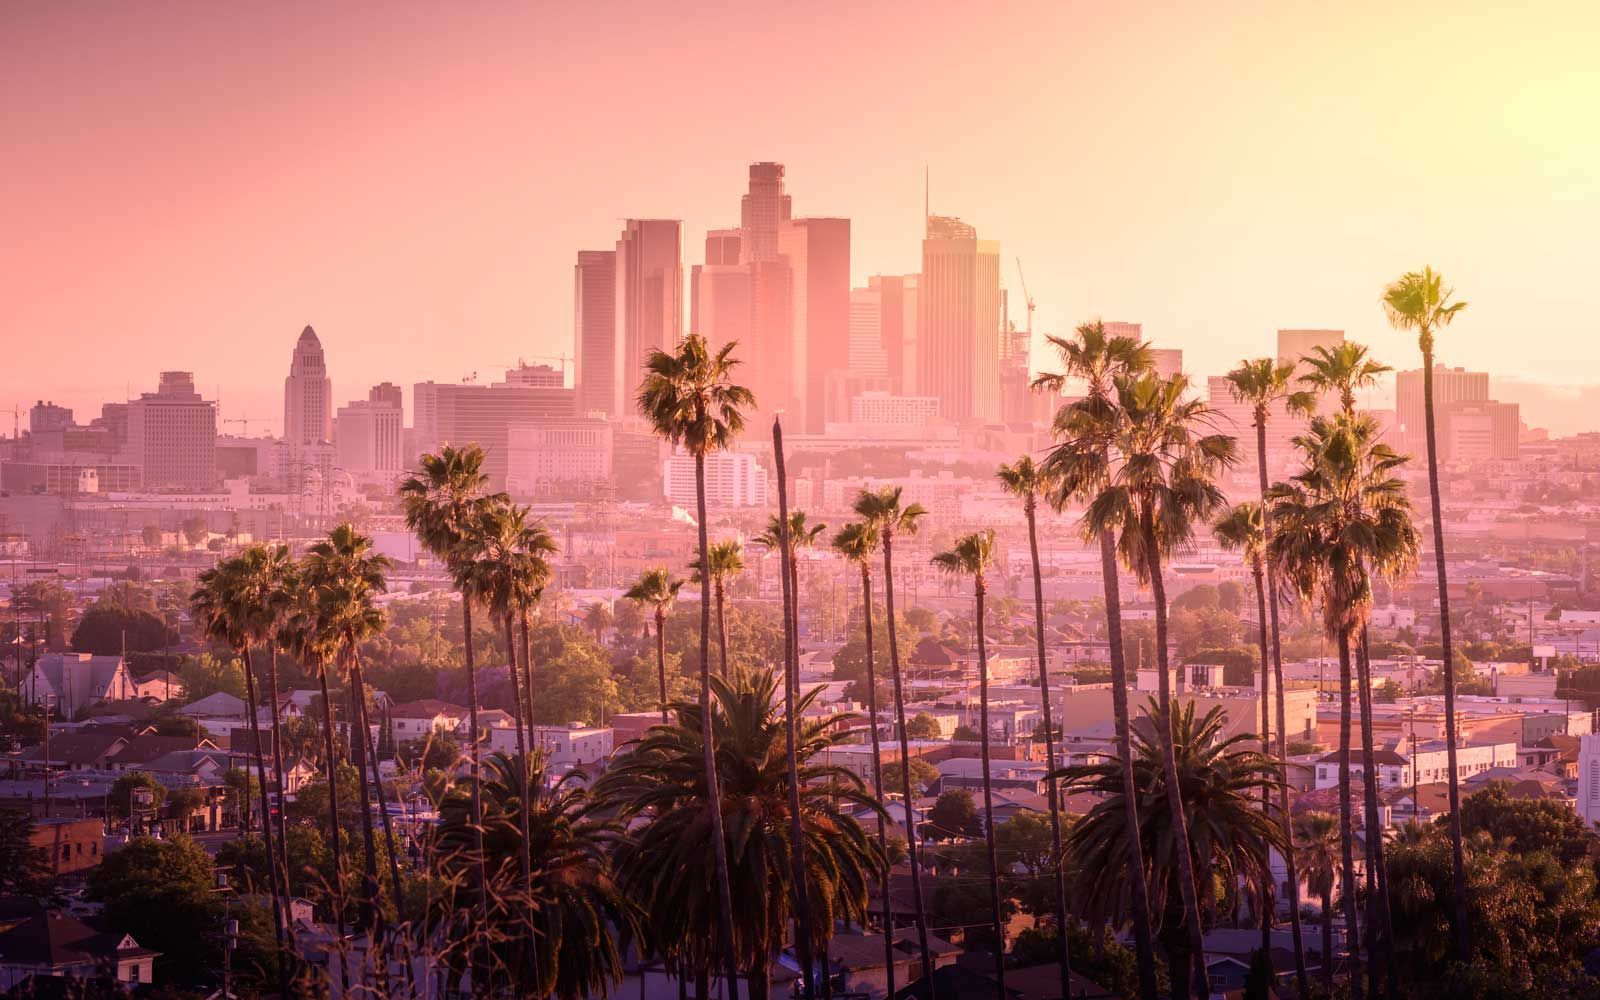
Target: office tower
[
  {"x": 172, "y": 435},
  {"x": 762, "y": 211},
  {"x": 649, "y": 301},
  {"x": 897, "y": 326},
  {"x": 1468, "y": 424},
  {"x": 868, "y": 359},
  {"x": 44, "y": 418},
  {"x": 958, "y": 321},
  {"x": 594, "y": 336},
  {"x": 368, "y": 435},
  {"x": 559, "y": 459},
  {"x": 484, "y": 414},
  {"x": 307, "y": 394},
  {"x": 817, "y": 252},
  {"x": 733, "y": 479},
  {"x": 1238, "y": 419},
  {"x": 388, "y": 394},
  {"x": 1168, "y": 361},
  {"x": 1293, "y": 345},
  {"x": 1450, "y": 385},
  {"x": 719, "y": 293}
]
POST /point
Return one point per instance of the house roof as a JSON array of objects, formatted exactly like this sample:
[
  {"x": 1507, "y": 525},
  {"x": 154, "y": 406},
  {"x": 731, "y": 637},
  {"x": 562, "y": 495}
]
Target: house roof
[
  {"x": 142, "y": 749},
  {"x": 931, "y": 653},
  {"x": 81, "y": 748},
  {"x": 426, "y": 708},
  {"x": 1382, "y": 758},
  {"x": 220, "y": 704},
  {"x": 56, "y": 941},
  {"x": 955, "y": 982}
]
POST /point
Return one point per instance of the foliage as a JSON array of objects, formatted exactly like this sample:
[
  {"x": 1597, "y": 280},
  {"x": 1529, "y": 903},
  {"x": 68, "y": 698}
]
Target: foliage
[
  {"x": 162, "y": 891},
  {"x": 954, "y": 814},
  {"x": 1526, "y": 825},
  {"x": 205, "y": 675},
  {"x": 105, "y": 627},
  {"x": 922, "y": 726},
  {"x": 121, "y": 795},
  {"x": 923, "y": 775},
  {"x": 25, "y": 868}
]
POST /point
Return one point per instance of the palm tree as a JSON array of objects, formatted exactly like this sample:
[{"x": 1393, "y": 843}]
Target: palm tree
[
  {"x": 1228, "y": 836},
  {"x": 1316, "y": 842},
  {"x": 1026, "y": 480},
  {"x": 1419, "y": 301},
  {"x": 1264, "y": 385},
  {"x": 802, "y": 535},
  {"x": 1160, "y": 484},
  {"x": 276, "y": 590},
  {"x": 598, "y": 617},
  {"x": 1344, "y": 370},
  {"x": 1346, "y": 517},
  {"x": 346, "y": 576},
  {"x": 690, "y": 400},
  {"x": 857, "y": 543},
  {"x": 657, "y": 589},
  {"x": 973, "y": 555},
  {"x": 442, "y": 503},
  {"x": 727, "y": 561},
  {"x": 572, "y": 898},
  {"x": 660, "y": 785},
  {"x": 1078, "y": 465},
  {"x": 883, "y": 511},
  {"x": 227, "y": 604}
]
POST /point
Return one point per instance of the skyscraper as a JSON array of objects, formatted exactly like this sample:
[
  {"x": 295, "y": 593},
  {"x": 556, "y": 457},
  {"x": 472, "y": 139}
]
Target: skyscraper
[
  {"x": 868, "y": 359},
  {"x": 719, "y": 293},
  {"x": 307, "y": 394},
  {"x": 958, "y": 321},
  {"x": 485, "y": 414},
  {"x": 763, "y": 209},
  {"x": 594, "y": 337},
  {"x": 172, "y": 435},
  {"x": 649, "y": 301},
  {"x": 897, "y": 328},
  {"x": 817, "y": 252}
]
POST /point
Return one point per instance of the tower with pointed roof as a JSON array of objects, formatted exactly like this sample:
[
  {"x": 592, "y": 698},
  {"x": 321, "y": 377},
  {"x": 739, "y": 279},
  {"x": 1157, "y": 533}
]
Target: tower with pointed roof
[{"x": 307, "y": 394}]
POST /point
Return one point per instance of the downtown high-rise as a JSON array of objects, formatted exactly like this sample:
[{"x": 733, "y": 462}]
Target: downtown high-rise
[
  {"x": 649, "y": 301},
  {"x": 594, "y": 338},
  {"x": 958, "y": 321},
  {"x": 307, "y": 394}
]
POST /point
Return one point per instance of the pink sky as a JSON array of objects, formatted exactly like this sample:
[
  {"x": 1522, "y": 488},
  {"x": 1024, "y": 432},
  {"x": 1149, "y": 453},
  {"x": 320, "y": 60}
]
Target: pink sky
[{"x": 187, "y": 185}]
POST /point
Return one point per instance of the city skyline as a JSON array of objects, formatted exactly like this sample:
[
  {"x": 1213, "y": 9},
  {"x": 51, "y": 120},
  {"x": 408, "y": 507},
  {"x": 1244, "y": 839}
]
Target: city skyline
[{"x": 200, "y": 248}]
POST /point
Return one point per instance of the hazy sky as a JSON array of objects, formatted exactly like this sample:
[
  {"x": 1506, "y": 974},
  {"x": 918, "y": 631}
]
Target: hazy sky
[{"x": 187, "y": 185}]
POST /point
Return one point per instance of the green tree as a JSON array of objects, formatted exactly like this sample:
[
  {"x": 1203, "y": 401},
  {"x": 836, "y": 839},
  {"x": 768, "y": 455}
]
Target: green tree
[
  {"x": 163, "y": 891},
  {"x": 1317, "y": 842},
  {"x": 25, "y": 868},
  {"x": 1079, "y": 462},
  {"x": 104, "y": 628},
  {"x": 923, "y": 727},
  {"x": 1527, "y": 825},
  {"x": 657, "y": 589},
  {"x": 662, "y": 863},
  {"x": 1229, "y": 836},
  {"x": 727, "y": 561},
  {"x": 1419, "y": 301},
  {"x": 955, "y": 814},
  {"x": 122, "y": 792},
  {"x": 691, "y": 401},
  {"x": 923, "y": 775}
]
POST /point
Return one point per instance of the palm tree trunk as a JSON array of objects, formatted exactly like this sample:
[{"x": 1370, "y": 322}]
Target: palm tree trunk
[
  {"x": 722, "y": 630},
  {"x": 877, "y": 784},
  {"x": 395, "y": 885},
  {"x": 1169, "y": 762},
  {"x": 661, "y": 659},
  {"x": 804, "y": 932},
  {"x": 369, "y": 851},
  {"x": 331, "y": 766},
  {"x": 912, "y": 853},
  {"x": 1380, "y": 935},
  {"x": 1301, "y": 979},
  {"x": 1458, "y": 864},
  {"x": 277, "y": 775},
  {"x": 1346, "y": 833},
  {"x": 529, "y": 792},
  {"x": 1327, "y": 942},
  {"x": 988, "y": 802},
  {"x": 370, "y": 751},
  {"x": 524, "y": 850},
  {"x": 279, "y": 894},
  {"x": 1265, "y": 899},
  {"x": 480, "y": 983},
  {"x": 1057, "y": 857},
  {"x": 713, "y": 786},
  {"x": 1138, "y": 889}
]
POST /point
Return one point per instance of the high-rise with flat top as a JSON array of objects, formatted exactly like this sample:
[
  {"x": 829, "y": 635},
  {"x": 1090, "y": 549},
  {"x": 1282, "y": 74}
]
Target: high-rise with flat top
[
  {"x": 958, "y": 321},
  {"x": 649, "y": 301},
  {"x": 172, "y": 435},
  {"x": 594, "y": 297},
  {"x": 307, "y": 394},
  {"x": 762, "y": 211},
  {"x": 818, "y": 254}
]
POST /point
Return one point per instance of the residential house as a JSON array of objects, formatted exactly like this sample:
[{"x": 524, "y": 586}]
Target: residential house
[
  {"x": 415, "y": 720},
  {"x": 51, "y": 945},
  {"x": 71, "y": 682}
]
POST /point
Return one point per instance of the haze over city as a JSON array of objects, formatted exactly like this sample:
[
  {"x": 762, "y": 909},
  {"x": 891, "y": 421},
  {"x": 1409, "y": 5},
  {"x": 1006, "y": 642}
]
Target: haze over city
[
  {"x": 193, "y": 184},
  {"x": 899, "y": 501}
]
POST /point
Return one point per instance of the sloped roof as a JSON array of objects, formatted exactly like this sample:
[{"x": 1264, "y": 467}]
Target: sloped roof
[
  {"x": 57, "y": 941},
  {"x": 426, "y": 708},
  {"x": 81, "y": 748}
]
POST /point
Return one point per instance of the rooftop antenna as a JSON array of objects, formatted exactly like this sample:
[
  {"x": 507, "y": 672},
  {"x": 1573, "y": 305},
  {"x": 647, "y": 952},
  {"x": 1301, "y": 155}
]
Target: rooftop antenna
[{"x": 926, "y": 213}]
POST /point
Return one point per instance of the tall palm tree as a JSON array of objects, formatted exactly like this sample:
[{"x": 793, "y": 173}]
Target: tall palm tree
[
  {"x": 1419, "y": 301},
  {"x": 1266, "y": 386},
  {"x": 657, "y": 589},
  {"x": 1026, "y": 480},
  {"x": 1316, "y": 842},
  {"x": 660, "y": 786},
  {"x": 1161, "y": 483},
  {"x": 883, "y": 511},
  {"x": 1228, "y": 837},
  {"x": 690, "y": 399},
  {"x": 727, "y": 562},
  {"x": 277, "y": 588},
  {"x": 227, "y": 605},
  {"x": 442, "y": 503},
  {"x": 572, "y": 897},
  {"x": 1346, "y": 517},
  {"x": 857, "y": 543},
  {"x": 802, "y": 535},
  {"x": 1079, "y": 464},
  {"x": 972, "y": 556},
  {"x": 1343, "y": 370},
  {"x": 346, "y": 576}
]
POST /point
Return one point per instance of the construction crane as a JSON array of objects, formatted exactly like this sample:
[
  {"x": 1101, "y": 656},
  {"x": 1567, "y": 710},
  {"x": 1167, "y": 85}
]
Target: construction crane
[
  {"x": 1026, "y": 298},
  {"x": 244, "y": 422}
]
